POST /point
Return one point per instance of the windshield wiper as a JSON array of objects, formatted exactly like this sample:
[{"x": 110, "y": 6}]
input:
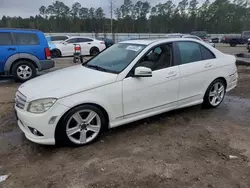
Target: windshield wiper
[{"x": 96, "y": 67}]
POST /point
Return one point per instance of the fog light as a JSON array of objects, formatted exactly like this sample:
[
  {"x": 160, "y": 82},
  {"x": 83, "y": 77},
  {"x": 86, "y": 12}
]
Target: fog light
[{"x": 35, "y": 132}]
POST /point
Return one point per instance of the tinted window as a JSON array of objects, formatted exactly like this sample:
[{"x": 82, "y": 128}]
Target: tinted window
[
  {"x": 58, "y": 38},
  {"x": 26, "y": 39},
  {"x": 158, "y": 58},
  {"x": 117, "y": 57},
  {"x": 189, "y": 52},
  {"x": 72, "y": 40},
  {"x": 84, "y": 40},
  {"x": 206, "y": 54},
  {"x": 5, "y": 39}
]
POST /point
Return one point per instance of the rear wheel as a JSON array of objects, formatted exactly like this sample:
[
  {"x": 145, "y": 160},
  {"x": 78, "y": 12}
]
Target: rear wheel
[
  {"x": 232, "y": 44},
  {"x": 215, "y": 94},
  {"x": 23, "y": 71},
  {"x": 94, "y": 51}
]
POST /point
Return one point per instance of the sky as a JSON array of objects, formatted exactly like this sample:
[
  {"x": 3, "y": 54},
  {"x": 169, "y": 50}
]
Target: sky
[{"x": 27, "y": 8}]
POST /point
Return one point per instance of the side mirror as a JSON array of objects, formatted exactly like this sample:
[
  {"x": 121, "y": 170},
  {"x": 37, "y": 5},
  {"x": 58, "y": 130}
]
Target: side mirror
[{"x": 142, "y": 72}]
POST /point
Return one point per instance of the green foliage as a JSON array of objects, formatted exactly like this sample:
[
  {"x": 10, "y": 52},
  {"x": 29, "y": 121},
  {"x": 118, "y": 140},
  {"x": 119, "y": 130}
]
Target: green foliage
[{"x": 221, "y": 16}]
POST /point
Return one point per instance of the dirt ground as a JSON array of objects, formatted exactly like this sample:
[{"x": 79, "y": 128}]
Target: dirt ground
[{"x": 187, "y": 148}]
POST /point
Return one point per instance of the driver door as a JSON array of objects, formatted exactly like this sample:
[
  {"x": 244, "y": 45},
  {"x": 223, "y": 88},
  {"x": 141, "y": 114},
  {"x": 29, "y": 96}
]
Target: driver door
[{"x": 145, "y": 95}]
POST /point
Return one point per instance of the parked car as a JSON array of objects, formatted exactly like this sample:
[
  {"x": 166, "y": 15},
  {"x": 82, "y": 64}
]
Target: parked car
[
  {"x": 130, "y": 80},
  {"x": 179, "y": 35},
  {"x": 201, "y": 34},
  {"x": 89, "y": 46},
  {"x": 215, "y": 40},
  {"x": 235, "y": 40},
  {"x": 108, "y": 42},
  {"x": 23, "y": 52},
  {"x": 57, "y": 38}
]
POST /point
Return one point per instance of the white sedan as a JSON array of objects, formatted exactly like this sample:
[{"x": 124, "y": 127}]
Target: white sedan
[
  {"x": 129, "y": 81},
  {"x": 89, "y": 46}
]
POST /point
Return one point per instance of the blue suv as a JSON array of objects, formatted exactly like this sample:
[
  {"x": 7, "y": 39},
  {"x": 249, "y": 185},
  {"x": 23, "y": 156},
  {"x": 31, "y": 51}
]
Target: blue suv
[{"x": 23, "y": 52}]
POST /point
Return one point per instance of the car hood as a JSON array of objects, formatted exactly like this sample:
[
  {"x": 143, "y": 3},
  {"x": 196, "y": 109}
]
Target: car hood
[{"x": 65, "y": 82}]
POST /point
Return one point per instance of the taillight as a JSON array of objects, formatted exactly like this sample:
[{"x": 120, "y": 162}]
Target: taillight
[
  {"x": 102, "y": 42},
  {"x": 47, "y": 53}
]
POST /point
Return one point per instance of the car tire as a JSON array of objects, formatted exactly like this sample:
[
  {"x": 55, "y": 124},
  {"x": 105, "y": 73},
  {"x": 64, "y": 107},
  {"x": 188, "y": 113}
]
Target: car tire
[
  {"x": 232, "y": 44},
  {"x": 74, "y": 129},
  {"x": 94, "y": 51},
  {"x": 215, "y": 94},
  {"x": 23, "y": 71},
  {"x": 55, "y": 53}
]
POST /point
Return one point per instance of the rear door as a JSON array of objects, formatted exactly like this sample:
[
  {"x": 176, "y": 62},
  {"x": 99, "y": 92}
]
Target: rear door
[
  {"x": 7, "y": 48},
  {"x": 196, "y": 68},
  {"x": 86, "y": 45},
  {"x": 28, "y": 42}
]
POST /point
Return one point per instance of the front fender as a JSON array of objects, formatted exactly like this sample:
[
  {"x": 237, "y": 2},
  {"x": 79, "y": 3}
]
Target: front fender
[{"x": 109, "y": 97}]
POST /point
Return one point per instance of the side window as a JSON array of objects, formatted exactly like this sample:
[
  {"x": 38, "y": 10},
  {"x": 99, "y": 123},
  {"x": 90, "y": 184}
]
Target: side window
[
  {"x": 74, "y": 40},
  {"x": 206, "y": 54},
  {"x": 189, "y": 52},
  {"x": 84, "y": 40},
  {"x": 5, "y": 39},
  {"x": 26, "y": 39},
  {"x": 58, "y": 38},
  {"x": 158, "y": 58}
]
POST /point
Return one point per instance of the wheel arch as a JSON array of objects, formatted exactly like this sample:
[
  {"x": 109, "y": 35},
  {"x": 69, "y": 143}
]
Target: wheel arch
[
  {"x": 88, "y": 103},
  {"x": 19, "y": 57},
  {"x": 221, "y": 78}
]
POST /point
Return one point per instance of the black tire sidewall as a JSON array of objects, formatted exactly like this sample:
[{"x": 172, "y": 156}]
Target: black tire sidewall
[
  {"x": 206, "y": 102},
  {"x": 19, "y": 63},
  {"x": 60, "y": 132},
  {"x": 94, "y": 49}
]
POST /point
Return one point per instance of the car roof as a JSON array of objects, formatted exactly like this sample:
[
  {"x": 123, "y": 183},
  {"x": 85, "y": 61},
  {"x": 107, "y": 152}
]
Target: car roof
[
  {"x": 18, "y": 29},
  {"x": 150, "y": 41}
]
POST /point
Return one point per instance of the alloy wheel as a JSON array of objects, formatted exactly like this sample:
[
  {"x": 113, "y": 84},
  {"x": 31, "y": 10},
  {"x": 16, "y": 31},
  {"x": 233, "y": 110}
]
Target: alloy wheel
[
  {"x": 24, "y": 72},
  {"x": 216, "y": 93},
  {"x": 83, "y": 126}
]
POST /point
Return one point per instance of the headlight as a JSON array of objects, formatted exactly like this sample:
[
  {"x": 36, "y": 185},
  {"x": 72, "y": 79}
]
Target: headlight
[{"x": 41, "y": 105}]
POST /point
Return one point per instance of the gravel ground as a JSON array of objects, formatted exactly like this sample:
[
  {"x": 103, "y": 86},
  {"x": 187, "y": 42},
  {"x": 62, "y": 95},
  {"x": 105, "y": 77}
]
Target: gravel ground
[{"x": 183, "y": 148}]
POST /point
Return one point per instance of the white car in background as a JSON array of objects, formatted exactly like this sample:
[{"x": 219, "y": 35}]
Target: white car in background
[
  {"x": 130, "y": 80},
  {"x": 179, "y": 35},
  {"x": 89, "y": 46}
]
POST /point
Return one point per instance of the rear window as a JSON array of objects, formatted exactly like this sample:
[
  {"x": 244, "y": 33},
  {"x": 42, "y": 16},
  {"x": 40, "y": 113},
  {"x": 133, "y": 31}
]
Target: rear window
[
  {"x": 5, "y": 39},
  {"x": 26, "y": 39},
  {"x": 206, "y": 54}
]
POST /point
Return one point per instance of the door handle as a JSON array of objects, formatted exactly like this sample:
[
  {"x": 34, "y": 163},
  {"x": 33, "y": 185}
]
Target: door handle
[
  {"x": 11, "y": 49},
  {"x": 172, "y": 74},
  {"x": 89, "y": 43},
  {"x": 208, "y": 65}
]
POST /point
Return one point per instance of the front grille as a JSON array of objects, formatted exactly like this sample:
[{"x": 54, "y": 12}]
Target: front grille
[{"x": 20, "y": 100}]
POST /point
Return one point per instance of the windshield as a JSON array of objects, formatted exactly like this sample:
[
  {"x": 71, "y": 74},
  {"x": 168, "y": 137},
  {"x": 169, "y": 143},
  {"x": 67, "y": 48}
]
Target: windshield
[{"x": 116, "y": 58}]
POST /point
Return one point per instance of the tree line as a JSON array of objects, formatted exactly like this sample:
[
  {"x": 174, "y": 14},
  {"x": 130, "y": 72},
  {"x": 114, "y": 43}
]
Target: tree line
[{"x": 220, "y": 16}]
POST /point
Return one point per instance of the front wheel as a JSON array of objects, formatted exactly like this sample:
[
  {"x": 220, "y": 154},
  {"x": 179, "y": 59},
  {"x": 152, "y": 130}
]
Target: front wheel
[
  {"x": 215, "y": 94},
  {"x": 80, "y": 126},
  {"x": 23, "y": 71}
]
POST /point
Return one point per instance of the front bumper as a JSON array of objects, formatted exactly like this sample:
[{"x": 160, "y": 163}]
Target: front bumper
[
  {"x": 27, "y": 121},
  {"x": 46, "y": 64}
]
